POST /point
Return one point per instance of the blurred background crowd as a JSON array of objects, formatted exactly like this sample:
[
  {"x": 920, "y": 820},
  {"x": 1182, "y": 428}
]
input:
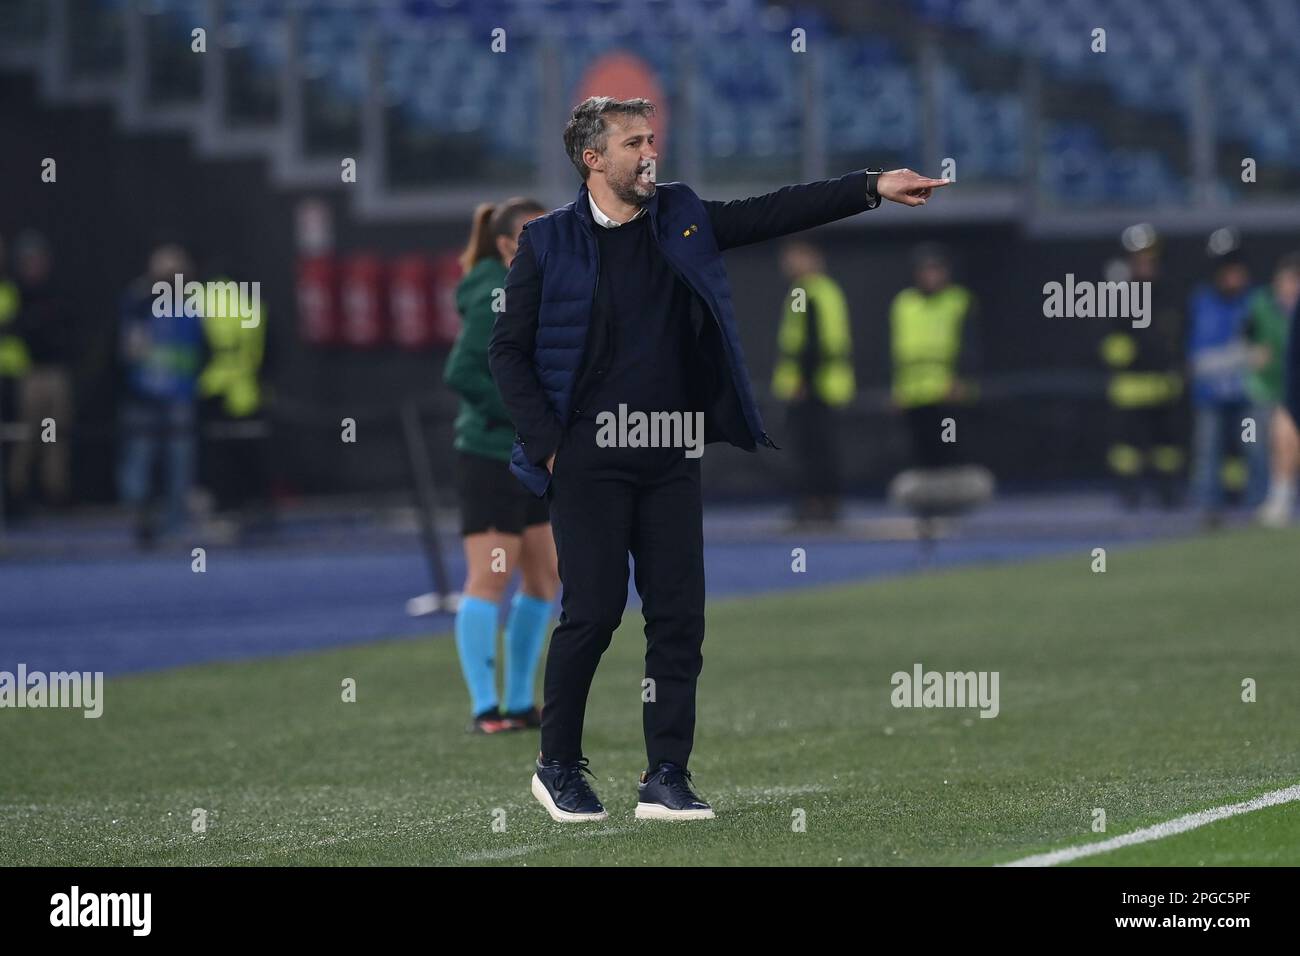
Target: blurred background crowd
[{"x": 333, "y": 151}]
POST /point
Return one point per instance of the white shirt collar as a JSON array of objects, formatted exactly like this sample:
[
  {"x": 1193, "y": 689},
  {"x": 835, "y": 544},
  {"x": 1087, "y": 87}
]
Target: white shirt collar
[{"x": 604, "y": 220}]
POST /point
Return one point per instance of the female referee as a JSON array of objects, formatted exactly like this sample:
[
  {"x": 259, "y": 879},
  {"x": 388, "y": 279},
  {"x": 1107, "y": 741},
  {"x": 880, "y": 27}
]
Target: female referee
[{"x": 503, "y": 524}]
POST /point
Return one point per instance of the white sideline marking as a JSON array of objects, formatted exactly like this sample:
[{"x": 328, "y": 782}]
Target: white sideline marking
[
  {"x": 1161, "y": 830},
  {"x": 506, "y": 853}
]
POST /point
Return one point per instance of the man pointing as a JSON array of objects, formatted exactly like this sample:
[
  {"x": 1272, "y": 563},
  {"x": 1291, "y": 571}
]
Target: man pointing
[{"x": 615, "y": 304}]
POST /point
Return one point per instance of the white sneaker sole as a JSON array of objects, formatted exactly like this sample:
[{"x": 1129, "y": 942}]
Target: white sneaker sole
[
  {"x": 562, "y": 816},
  {"x": 656, "y": 811}
]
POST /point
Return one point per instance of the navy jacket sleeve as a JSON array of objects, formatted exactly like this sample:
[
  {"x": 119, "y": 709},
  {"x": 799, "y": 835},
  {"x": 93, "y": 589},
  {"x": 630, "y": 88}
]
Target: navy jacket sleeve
[
  {"x": 789, "y": 209},
  {"x": 510, "y": 357}
]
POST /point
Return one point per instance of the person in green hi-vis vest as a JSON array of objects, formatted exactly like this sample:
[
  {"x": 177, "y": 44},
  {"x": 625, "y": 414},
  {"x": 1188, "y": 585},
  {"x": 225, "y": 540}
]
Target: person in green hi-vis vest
[{"x": 814, "y": 376}]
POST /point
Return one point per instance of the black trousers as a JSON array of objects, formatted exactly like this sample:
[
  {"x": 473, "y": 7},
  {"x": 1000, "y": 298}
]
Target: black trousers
[
  {"x": 607, "y": 503},
  {"x": 236, "y": 470},
  {"x": 1147, "y": 430},
  {"x": 812, "y": 428}
]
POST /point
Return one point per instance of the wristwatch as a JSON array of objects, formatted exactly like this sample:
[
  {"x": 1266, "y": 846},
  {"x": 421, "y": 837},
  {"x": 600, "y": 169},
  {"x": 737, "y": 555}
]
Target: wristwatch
[{"x": 873, "y": 197}]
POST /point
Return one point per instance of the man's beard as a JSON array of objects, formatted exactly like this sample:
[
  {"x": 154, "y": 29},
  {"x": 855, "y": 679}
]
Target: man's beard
[{"x": 633, "y": 190}]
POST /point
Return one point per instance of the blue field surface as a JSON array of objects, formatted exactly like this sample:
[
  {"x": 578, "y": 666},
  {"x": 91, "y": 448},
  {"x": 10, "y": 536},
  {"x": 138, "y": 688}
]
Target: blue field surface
[{"x": 97, "y": 604}]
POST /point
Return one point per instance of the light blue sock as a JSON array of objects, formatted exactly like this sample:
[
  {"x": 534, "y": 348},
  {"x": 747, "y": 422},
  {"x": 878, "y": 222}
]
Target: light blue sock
[
  {"x": 525, "y": 634},
  {"x": 476, "y": 641}
]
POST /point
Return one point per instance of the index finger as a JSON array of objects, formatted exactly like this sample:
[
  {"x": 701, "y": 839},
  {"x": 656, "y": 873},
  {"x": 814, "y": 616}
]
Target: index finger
[{"x": 936, "y": 183}]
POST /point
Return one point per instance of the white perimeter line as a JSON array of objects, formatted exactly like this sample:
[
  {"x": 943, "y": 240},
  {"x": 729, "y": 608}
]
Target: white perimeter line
[{"x": 1161, "y": 830}]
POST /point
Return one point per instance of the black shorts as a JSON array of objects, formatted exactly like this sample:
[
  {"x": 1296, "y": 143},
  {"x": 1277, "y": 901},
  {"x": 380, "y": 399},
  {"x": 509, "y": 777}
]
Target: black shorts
[{"x": 492, "y": 499}]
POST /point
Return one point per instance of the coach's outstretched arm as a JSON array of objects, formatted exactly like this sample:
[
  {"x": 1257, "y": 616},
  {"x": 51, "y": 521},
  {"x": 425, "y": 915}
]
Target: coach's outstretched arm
[
  {"x": 510, "y": 358},
  {"x": 795, "y": 208}
]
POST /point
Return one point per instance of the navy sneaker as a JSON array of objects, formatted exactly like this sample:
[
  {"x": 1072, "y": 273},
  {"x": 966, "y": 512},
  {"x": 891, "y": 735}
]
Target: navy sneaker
[
  {"x": 567, "y": 797},
  {"x": 666, "y": 794}
]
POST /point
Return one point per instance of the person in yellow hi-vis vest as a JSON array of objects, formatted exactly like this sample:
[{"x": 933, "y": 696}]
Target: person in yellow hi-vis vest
[
  {"x": 13, "y": 354},
  {"x": 14, "y": 361},
  {"x": 814, "y": 376},
  {"x": 230, "y": 388},
  {"x": 42, "y": 350},
  {"x": 932, "y": 340}
]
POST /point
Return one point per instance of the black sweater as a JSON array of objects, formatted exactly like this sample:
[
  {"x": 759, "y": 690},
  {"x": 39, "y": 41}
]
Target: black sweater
[{"x": 640, "y": 340}]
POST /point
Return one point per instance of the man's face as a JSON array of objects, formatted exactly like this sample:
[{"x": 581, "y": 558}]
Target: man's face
[
  {"x": 166, "y": 262},
  {"x": 1232, "y": 278},
  {"x": 798, "y": 261},
  {"x": 931, "y": 276},
  {"x": 34, "y": 266},
  {"x": 1144, "y": 265},
  {"x": 628, "y": 162},
  {"x": 1286, "y": 288}
]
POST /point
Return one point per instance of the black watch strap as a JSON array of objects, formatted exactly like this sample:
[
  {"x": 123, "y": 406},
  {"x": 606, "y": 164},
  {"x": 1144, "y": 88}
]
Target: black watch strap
[{"x": 873, "y": 195}]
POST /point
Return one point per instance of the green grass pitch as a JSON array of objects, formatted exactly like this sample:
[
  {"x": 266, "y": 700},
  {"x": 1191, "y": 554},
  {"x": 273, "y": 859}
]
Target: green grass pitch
[{"x": 1119, "y": 690}]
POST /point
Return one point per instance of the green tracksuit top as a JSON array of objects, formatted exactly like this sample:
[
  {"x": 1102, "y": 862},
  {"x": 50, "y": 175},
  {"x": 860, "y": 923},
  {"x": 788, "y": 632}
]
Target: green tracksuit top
[{"x": 483, "y": 426}]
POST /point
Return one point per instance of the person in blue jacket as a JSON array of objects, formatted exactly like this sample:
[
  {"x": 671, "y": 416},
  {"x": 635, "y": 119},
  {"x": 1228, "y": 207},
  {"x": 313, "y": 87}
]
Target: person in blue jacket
[
  {"x": 1220, "y": 358},
  {"x": 162, "y": 351}
]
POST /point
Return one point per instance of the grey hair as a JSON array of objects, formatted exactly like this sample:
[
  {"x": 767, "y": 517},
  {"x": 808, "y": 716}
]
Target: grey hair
[{"x": 586, "y": 128}]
